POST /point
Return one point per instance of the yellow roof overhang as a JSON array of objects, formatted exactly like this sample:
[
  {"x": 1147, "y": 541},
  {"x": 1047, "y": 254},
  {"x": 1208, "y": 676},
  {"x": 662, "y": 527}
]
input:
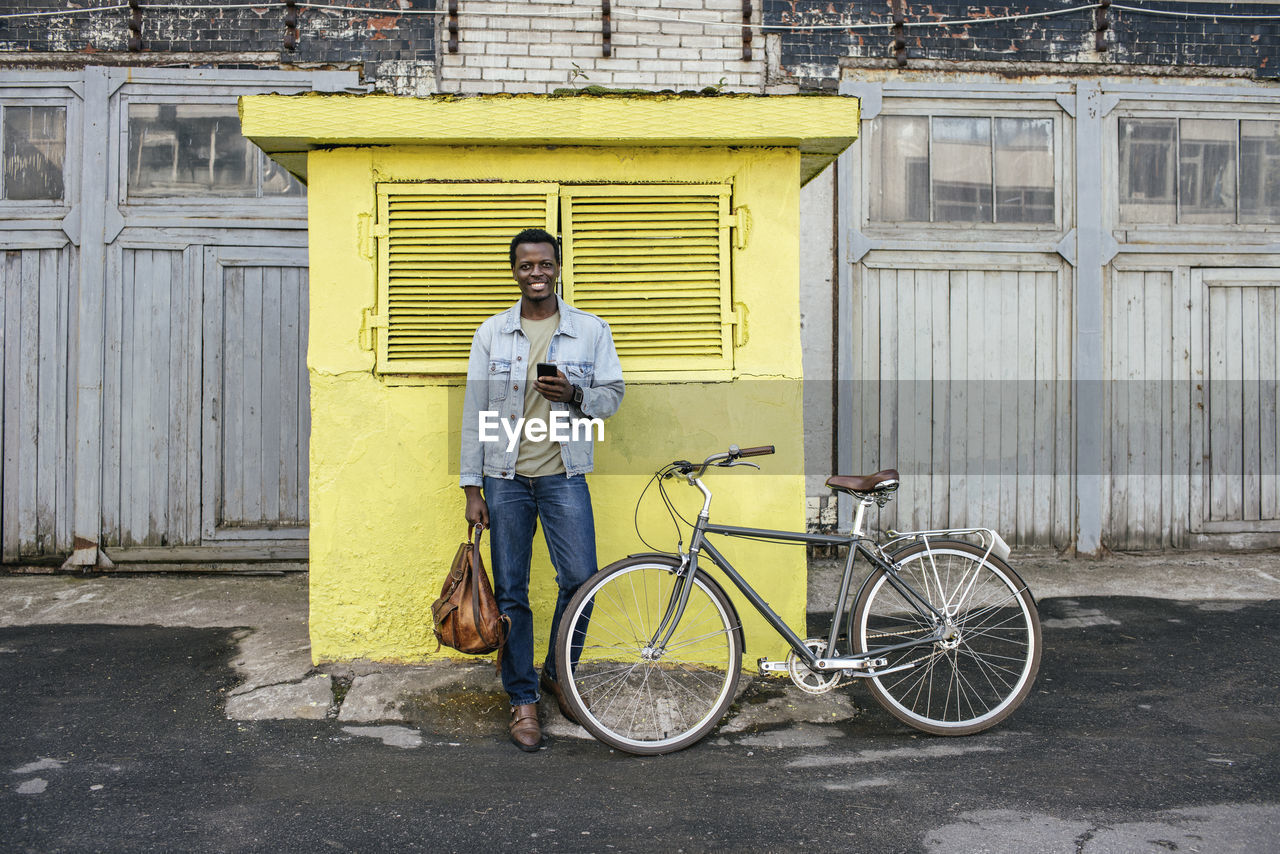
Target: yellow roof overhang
[{"x": 288, "y": 126}]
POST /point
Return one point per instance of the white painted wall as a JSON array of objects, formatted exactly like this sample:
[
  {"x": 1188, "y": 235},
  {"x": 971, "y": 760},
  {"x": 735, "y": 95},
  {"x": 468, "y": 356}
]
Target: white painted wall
[{"x": 817, "y": 315}]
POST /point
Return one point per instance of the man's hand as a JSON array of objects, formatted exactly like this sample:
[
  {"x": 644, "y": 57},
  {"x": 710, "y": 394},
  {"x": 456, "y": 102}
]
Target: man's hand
[
  {"x": 555, "y": 388},
  {"x": 477, "y": 510}
]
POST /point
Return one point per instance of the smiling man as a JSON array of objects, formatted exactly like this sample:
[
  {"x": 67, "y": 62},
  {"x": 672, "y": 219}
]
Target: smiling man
[{"x": 510, "y": 484}]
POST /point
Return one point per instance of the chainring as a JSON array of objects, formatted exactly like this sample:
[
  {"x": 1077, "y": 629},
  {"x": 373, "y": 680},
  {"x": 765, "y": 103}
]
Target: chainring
[{"x": 811, "y": 681}]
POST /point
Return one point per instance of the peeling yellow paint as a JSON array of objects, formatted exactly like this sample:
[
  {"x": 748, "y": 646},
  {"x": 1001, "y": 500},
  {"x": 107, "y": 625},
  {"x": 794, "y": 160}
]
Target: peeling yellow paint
[{"x": 386, "y": 511}]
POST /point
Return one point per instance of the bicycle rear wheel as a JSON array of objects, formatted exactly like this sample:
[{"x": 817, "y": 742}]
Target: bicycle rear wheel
[
  {"x": 626, "y": 694},
  {"x": 982, "y": 670}
]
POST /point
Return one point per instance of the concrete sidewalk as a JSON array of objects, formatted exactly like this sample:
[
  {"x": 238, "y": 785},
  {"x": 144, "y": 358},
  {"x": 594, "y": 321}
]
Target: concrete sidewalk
[{"x": 278, "y": 680}]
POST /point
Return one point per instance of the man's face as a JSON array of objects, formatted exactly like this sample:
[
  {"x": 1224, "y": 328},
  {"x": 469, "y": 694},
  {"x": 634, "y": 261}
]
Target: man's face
[{"x": 536, "y": 270}]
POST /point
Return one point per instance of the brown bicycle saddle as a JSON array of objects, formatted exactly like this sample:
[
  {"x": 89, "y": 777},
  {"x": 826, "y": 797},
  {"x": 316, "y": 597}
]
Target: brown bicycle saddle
[{"x": 881, "y": 481}]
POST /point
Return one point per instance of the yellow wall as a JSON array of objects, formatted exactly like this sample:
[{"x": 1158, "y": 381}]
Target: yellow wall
[{"x": 386, "y": 510}]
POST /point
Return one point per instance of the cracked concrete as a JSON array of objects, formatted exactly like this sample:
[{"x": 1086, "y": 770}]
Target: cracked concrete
[
  {"x": 757, "y": 710},
  {"x": 384, "y": 694},
  {"x": 308, "y": 699}
]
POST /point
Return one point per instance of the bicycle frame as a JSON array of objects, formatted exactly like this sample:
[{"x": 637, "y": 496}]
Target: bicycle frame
[{"x": 854, "y": 540}]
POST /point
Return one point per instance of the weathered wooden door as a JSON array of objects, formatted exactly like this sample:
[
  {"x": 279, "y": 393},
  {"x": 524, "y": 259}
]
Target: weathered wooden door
[
  {"x": 255, "y": 396},
  {"x": 34, "y": 299},
  {"x": 1234, "y": 483},
  {"x": 153, "y": 300},
  {"x": 1193, "y": 430},
  {"x": 1191, "y": 308},
  {"x": 957, "y": 285},
  {"x": 40, "y": 120},
  {"x": 205, "y": 401},
  {"x": 960, "y": 381}
]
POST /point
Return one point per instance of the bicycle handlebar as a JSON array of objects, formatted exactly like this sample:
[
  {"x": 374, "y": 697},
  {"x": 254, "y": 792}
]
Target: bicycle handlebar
[{"x": 722, "y": 458}]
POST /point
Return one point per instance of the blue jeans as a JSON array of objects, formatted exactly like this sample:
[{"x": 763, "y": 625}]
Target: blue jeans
[{"x": 564, "y": 505}]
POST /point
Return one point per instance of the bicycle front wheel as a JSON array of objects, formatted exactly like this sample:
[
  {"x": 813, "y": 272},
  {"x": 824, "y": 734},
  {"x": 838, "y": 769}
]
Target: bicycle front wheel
[
  {"x": 628, "y": 694},
  {"x": 986, "y": 661}
]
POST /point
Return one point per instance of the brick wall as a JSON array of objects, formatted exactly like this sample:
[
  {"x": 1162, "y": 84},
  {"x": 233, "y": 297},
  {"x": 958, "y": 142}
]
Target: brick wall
[
  {"x": 523, "y": 46},
  {"x": 325, "y": 36},
  {"x": 541, "y": 45},
  {"x": 811, "y": 56}
]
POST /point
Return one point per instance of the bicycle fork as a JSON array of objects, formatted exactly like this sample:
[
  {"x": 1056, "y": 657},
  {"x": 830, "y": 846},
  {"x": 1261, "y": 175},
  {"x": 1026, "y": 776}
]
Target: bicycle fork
[
  {"x": 679, "y": 597},
  {"x": 684, "y": 585}
]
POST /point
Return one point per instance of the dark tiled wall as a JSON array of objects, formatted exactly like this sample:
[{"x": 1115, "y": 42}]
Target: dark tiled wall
[
  {"x": 813, "y": 54},
  {"x": 324, "y": 36}
]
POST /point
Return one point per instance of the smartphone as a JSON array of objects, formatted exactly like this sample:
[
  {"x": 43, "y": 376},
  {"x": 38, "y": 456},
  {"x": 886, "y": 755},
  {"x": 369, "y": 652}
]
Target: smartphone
[{"x": 546, "y": 369}]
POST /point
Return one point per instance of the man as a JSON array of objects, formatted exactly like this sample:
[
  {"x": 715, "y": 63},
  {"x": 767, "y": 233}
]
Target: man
[{"x": 513, "y": 477}]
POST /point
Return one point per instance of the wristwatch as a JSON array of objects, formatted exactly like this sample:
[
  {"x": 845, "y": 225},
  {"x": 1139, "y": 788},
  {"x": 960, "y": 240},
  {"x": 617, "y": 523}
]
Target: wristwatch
[{"x": 577, "y": 396}]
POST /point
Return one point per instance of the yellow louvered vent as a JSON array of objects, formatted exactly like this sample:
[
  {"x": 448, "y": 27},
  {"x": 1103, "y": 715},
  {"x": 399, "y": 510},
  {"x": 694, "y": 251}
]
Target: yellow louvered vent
[
  {"x": 653, "y": 261},
  {"x": 443, "y": 266}
]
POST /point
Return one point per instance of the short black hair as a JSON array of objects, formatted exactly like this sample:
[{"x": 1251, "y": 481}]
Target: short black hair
[{"x": 534, "y": 235}]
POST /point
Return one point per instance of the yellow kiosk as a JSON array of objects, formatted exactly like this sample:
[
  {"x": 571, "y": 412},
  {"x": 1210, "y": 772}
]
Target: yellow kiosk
[{"x": 679, "y": 217}]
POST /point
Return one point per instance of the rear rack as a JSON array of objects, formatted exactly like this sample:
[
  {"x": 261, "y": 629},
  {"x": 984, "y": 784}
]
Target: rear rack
[{"x": 987, "y": 539}]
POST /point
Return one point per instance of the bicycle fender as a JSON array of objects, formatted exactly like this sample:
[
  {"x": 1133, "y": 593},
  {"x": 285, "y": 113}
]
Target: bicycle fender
[{"x": 656, "y": 556}]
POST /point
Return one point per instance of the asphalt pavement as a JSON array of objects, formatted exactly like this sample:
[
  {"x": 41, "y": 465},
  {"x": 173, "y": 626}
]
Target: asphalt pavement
[{"x": 183, "y": 713}]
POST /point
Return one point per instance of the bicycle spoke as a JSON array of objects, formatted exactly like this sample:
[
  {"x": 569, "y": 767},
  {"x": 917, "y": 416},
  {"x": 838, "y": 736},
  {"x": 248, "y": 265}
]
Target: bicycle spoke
[
  {"x": 635, "y": 701},
  {"x": 971, "y": 679},
  {"x": 696, "y": 640}
]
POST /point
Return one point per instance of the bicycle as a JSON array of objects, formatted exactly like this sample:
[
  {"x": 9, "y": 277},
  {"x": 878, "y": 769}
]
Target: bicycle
[{"x": 945, "y": 633}]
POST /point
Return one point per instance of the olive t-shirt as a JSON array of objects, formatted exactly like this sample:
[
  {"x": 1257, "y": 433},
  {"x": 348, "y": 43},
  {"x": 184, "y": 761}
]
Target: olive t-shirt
[{"x": 537, "y": 459}]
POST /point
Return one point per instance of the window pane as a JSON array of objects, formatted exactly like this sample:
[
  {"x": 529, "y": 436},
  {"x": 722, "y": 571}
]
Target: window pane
[
  {"x": 1024, "y": 170},
  {"x": 276, "y": 181},
  {"x": 1207, "y": 171},
  {"x": 901, "y": 162},
  {"x": 961, "y": 167},
  {"x": 1147, "y": 171},
  {"x": 35, "y": 145},
  {"x": 1259, "y": 171},
  {"x": 189, "y": 150}
]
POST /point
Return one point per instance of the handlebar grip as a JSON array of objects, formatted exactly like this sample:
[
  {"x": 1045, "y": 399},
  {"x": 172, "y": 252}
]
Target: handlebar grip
[{"x": 762, "y": 451}]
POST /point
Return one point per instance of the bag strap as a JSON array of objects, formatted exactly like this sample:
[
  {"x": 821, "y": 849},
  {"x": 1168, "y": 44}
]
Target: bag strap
[{"x": 476, "y": 569}]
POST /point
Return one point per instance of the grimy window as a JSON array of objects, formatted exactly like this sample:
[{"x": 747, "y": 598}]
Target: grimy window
[
  {"x": 1199, "y": 171},
  {"x": 35, "y": 149},
  {"x": 962, "y": 169},
  {"x": 196, "y": 150}
]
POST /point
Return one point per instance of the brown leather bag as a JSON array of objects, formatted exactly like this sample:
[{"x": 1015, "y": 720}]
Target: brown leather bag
[{"x": 466, "y": 614}]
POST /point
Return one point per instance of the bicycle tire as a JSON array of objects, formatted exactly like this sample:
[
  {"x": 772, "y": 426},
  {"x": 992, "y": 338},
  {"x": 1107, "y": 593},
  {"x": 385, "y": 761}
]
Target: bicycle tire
[
  {"x": 632, "y": 702},
  {"x": 975, "y": 679}
]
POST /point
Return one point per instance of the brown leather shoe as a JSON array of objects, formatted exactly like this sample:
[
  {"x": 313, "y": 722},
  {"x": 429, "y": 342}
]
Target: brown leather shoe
[
  {"x": 526, "y": 732},
  {"x": 552, "y": 687}
]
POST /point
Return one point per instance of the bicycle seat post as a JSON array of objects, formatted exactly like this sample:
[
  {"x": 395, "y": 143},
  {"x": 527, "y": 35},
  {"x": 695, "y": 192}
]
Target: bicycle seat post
[{"x": 859, "y": 515}]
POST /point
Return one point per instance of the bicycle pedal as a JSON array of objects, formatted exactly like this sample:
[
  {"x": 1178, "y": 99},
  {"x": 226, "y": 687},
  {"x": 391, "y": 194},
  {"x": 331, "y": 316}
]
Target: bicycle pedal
[{"x": 772, "y": 667}]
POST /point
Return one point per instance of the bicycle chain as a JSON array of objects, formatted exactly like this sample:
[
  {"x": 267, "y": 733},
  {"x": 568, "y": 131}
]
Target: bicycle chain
[{"x": 897, "y": 634}]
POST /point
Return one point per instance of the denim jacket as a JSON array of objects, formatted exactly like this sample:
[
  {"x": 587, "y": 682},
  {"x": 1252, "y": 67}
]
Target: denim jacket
[{"x": 581, "y": 347}]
